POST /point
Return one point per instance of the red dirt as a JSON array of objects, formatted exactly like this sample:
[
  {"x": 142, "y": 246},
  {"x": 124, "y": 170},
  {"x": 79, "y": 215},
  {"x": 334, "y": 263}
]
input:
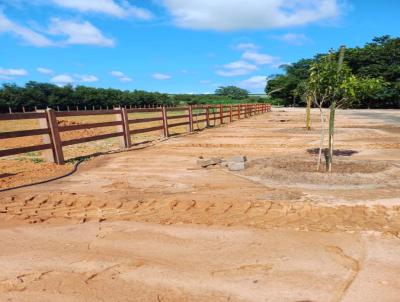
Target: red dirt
[{"x": 150, "y": 225}]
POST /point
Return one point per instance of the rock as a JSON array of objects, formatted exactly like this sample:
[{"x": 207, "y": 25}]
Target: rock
[
  {"x": 204, "y": 163},
  {"x": 237, "y": 159},
  {"x": 236, "y": 166}
]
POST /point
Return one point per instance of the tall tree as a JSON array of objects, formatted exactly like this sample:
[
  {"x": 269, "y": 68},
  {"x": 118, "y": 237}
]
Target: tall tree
[
  {"x": 232, "y": 92},
  {"x": 379, "y": 59}
]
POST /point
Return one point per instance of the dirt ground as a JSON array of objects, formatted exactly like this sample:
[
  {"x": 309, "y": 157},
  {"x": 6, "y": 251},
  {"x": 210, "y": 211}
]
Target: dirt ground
[
  {"x": 151, "y": 225},
  {"x": 37, "y": 166}
]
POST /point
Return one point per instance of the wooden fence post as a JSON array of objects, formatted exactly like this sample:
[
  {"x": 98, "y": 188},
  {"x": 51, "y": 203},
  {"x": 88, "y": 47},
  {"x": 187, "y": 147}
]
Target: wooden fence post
[
  {"x": 190, "y": 118},
  {"x": 230, "y": 114},
  {"x": 43, "y": 123},
  {"x": 208, "y": 115},
  {"x": 55, "y": 137},
  {"x": 165, "y": 121},
  {"x": 221, "y": 114},
  {"x": 120, "y": 128},
  {"x": 239, "y": 111},
  {"x": 125, "y": 122}
]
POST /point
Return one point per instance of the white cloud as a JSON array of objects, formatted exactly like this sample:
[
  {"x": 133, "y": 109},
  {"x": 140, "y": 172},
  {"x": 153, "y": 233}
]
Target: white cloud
[
  {"x": 121, "y": 9},
  {"x": 62, "y": 79},
  {"x": 260, "y": 58},
  {"x": 125, "y": 79},
  {"x": 160, "y": 76},
  {"x": 251, "y": 14},
  {"x": 293, "y": 39},
  {"x": 86, "y": 78},
  {"x": 13, "y": 72},
  {"x": 121, "y": 76},
  {"x": 237, "y": 68},
  {"x": 44, "y": 70},
  {"x": 83, "y": 33},
  {"x": 117, "y": 74},
  {"x": 254, "y": 82},
  {"x": 246, "y": 46},
  {"x": 3, "y": 77},
  {"x": 27, "y": 35},
  {"x": 10, "y": 74}
]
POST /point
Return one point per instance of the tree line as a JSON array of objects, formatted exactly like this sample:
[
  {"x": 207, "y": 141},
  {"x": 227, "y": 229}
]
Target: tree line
[
  {"x": 375, "y": 68},
  {"x": 42, "y": 95}
]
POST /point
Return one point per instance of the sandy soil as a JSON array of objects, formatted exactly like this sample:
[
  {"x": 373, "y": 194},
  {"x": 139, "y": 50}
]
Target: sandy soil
[
  {"x": 37, "y": 166},
  {"x": 150, "y": 225}
]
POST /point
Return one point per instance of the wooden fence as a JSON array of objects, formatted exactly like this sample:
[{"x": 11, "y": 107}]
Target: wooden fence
[{"x": 211, "y": 115}]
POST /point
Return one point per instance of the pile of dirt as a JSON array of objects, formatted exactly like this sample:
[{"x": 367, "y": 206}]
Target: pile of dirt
[{"x": 299, "y": 170}]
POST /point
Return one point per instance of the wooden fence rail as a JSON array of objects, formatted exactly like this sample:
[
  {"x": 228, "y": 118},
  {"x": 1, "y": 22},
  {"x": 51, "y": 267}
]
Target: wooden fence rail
[{"x": 193, "y": 115}]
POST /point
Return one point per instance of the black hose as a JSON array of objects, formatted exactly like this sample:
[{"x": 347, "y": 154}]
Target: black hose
[{"x": 74, "y": 169}]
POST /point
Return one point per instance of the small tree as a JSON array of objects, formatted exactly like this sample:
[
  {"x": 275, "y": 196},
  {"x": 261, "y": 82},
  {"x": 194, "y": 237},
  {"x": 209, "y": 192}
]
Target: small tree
[
  {"x": 303, "y": 92},
  {"x": 330, "y": 83},
  {"x": 232, "y": 92}
]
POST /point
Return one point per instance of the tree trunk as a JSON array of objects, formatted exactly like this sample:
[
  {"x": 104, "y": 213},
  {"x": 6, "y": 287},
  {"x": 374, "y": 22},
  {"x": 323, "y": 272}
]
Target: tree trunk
[
  {"x": 308, "y": 113},
  {"x": 321, "y": 143},
  {"x": 331, "y": 135}
]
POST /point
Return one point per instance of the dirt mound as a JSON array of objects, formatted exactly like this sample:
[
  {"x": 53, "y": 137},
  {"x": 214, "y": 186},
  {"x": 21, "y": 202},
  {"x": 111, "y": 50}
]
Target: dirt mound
[
  {"x": 336, "y": 152},
  {"x": 297, "y": 170}
]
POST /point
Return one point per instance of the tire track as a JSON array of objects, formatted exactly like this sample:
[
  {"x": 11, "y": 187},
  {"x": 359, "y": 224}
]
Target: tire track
[{"x": 42, "y": 207}]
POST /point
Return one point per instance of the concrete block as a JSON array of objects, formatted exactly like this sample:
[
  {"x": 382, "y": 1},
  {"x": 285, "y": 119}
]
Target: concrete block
[
  {"x": 237, "y": 159},
  {"x": 236, "y": 166}
]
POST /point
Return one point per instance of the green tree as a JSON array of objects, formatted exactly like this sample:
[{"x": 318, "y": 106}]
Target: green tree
[
  {"x": 232, "y": 92},
  {"x": 285, "y": 87},
  {"x": 330, "y": 83},
  {"x": 377, "y": 59}
]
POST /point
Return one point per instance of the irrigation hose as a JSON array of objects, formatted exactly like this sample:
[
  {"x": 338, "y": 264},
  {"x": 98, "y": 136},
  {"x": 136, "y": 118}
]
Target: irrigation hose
[
  {"x": 74, "y": 169},
  {"x": 76, "y": 165}
]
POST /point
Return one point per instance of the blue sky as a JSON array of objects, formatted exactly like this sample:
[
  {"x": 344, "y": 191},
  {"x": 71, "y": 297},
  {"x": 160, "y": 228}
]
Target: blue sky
[{"x": 178, "y": 46}]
